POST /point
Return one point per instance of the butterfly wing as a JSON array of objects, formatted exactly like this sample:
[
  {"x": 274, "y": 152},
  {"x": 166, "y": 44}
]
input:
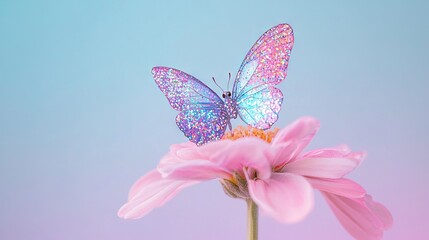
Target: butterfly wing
[
  {"x": 265, "y": 65},
  {"x": 202, "y": 116}
]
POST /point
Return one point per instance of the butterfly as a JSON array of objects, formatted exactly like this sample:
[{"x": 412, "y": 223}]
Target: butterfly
[{"x": 203, "y": 115}]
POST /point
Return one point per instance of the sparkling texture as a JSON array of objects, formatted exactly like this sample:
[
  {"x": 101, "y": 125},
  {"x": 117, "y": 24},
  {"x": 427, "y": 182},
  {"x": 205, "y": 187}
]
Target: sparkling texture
[
  {"x": 265, "y": 65},
  {"x": 231, "y": 108},
  {"x": 204, "y": 115}
]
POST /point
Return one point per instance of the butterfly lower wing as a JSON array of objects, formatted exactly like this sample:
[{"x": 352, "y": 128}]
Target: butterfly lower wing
[
  {"x": 202, "y": 116},
  {"x": 260, "y": 109},
  {"x": 202, "y": 125},
  {"x": 265, "y": 65}
]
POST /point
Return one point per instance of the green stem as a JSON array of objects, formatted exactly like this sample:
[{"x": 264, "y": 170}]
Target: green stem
[{"x": 252, "y": 220}]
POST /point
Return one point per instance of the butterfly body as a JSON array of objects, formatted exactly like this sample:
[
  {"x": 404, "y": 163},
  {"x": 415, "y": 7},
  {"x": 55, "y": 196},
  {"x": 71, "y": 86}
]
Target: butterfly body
[
  {"x": 230, "y": 107},
  {"x": 203, "y": 115}
]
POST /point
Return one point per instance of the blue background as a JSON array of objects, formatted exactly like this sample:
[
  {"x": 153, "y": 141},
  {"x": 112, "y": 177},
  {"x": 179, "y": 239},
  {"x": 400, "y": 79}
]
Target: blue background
[{"x": 81, "y": 117}]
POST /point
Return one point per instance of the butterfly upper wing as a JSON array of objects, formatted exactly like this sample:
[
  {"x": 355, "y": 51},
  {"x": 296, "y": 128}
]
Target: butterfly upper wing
[
  {"x": 265, "y": 65},
  {"x": 202, "y": 116}
]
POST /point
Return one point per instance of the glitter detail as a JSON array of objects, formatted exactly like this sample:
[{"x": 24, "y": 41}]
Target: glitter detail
[
  {"x": 248, "y": 131},
  {"x": 202, "y": 125},
  {"x": 231, "y": 107},
  {"x": 265, "y": 65},
  {"x": 204, "y": 115},
  {"x": 183, "y": 90}
]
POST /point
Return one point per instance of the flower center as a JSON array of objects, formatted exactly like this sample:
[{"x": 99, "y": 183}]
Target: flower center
[{"x": 240, "y": 132}]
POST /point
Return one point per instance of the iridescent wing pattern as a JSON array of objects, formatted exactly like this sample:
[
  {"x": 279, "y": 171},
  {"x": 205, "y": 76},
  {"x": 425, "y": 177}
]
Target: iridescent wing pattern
[
  {"x": 265, "y": 65},
  {"x": 202, "y": 116}
]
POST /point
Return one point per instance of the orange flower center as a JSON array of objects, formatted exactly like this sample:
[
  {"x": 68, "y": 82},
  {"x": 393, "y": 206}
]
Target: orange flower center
[{"x": 240, "y": 132}]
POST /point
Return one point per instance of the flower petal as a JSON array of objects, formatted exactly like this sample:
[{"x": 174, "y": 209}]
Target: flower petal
[
  {"x": 381, "y": 211},
  {"x": 149, "y": 192},
  {"x": 195, "y": 169},
  {"x": 361, "y": 217},
  {"x": 188, "y": 162},
  {"x": 179, "y": 154},
  {"x": 175, "y": 148},
  {"x": 322, "y": 167},
  {"x": 302, "y": 129},
  {"x": 343, "y": 187},
  {"x": 286, "y": 197},
  {"x": 246, "y": 152},
  {"x": 338, "y": 151},
  {"x": 291, "y": 140},
  {"x": 282, "y": 153},
  {"x": 201, "y": 170},
  {"x": 342, "y": 151}
]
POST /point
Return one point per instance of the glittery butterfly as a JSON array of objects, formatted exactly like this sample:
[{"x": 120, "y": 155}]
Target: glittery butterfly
[{"x": 204, "y": 115}]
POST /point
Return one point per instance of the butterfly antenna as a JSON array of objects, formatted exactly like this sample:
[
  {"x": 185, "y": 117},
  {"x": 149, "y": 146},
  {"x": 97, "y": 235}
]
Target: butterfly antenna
[
  {"x": 229, "y": 80},
  {"x": 217, "y": 84}
]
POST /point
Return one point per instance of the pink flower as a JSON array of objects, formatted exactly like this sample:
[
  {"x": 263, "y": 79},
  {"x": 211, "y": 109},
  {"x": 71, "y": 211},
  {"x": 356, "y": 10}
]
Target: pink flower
[{"x": 269, "y": 168}]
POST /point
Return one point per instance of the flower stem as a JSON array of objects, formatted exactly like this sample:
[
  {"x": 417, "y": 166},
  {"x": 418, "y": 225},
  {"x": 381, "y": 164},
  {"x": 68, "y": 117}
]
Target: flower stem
[{"x": 252, "y": 220}]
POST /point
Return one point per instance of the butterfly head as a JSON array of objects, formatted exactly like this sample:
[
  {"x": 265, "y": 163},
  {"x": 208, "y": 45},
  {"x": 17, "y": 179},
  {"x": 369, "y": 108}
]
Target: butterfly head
[{"x": 226, "y": 94}]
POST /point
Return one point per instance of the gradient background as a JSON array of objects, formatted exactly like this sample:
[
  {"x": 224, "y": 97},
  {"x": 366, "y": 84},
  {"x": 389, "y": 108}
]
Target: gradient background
[{"x": 81, "y": 117}]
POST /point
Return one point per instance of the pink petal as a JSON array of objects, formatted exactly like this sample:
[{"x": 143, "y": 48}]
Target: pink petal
[
  {"x": 244, "y": 152},
  {"x": 201, "y": 170},
  {"x": 188, "y": 162},
  {"x": 381, "y": 211},
  {"x": 343, "y": 187},
  {"x": 178, "y": 154},
  {"x": 216, "y": 160},
  {"x": 180, "y": 146},
  {"x": 149, "y": 178},
  {"x": 173, "y": 167},
  {"x": 342, "y": 151},
  {"x": 212, "y": 150},
  {"x": 286, "y": 197},
  {"x": 302, "y": 129},
  {"x": 291, "y": 140},
  {"x": 169, "y": 163},
  {"x": 322, "y": 167},
  {"x": 149, "y": 192},
  {"x": 358, "y": 216},
  {"x": 282, "y": 153}
]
